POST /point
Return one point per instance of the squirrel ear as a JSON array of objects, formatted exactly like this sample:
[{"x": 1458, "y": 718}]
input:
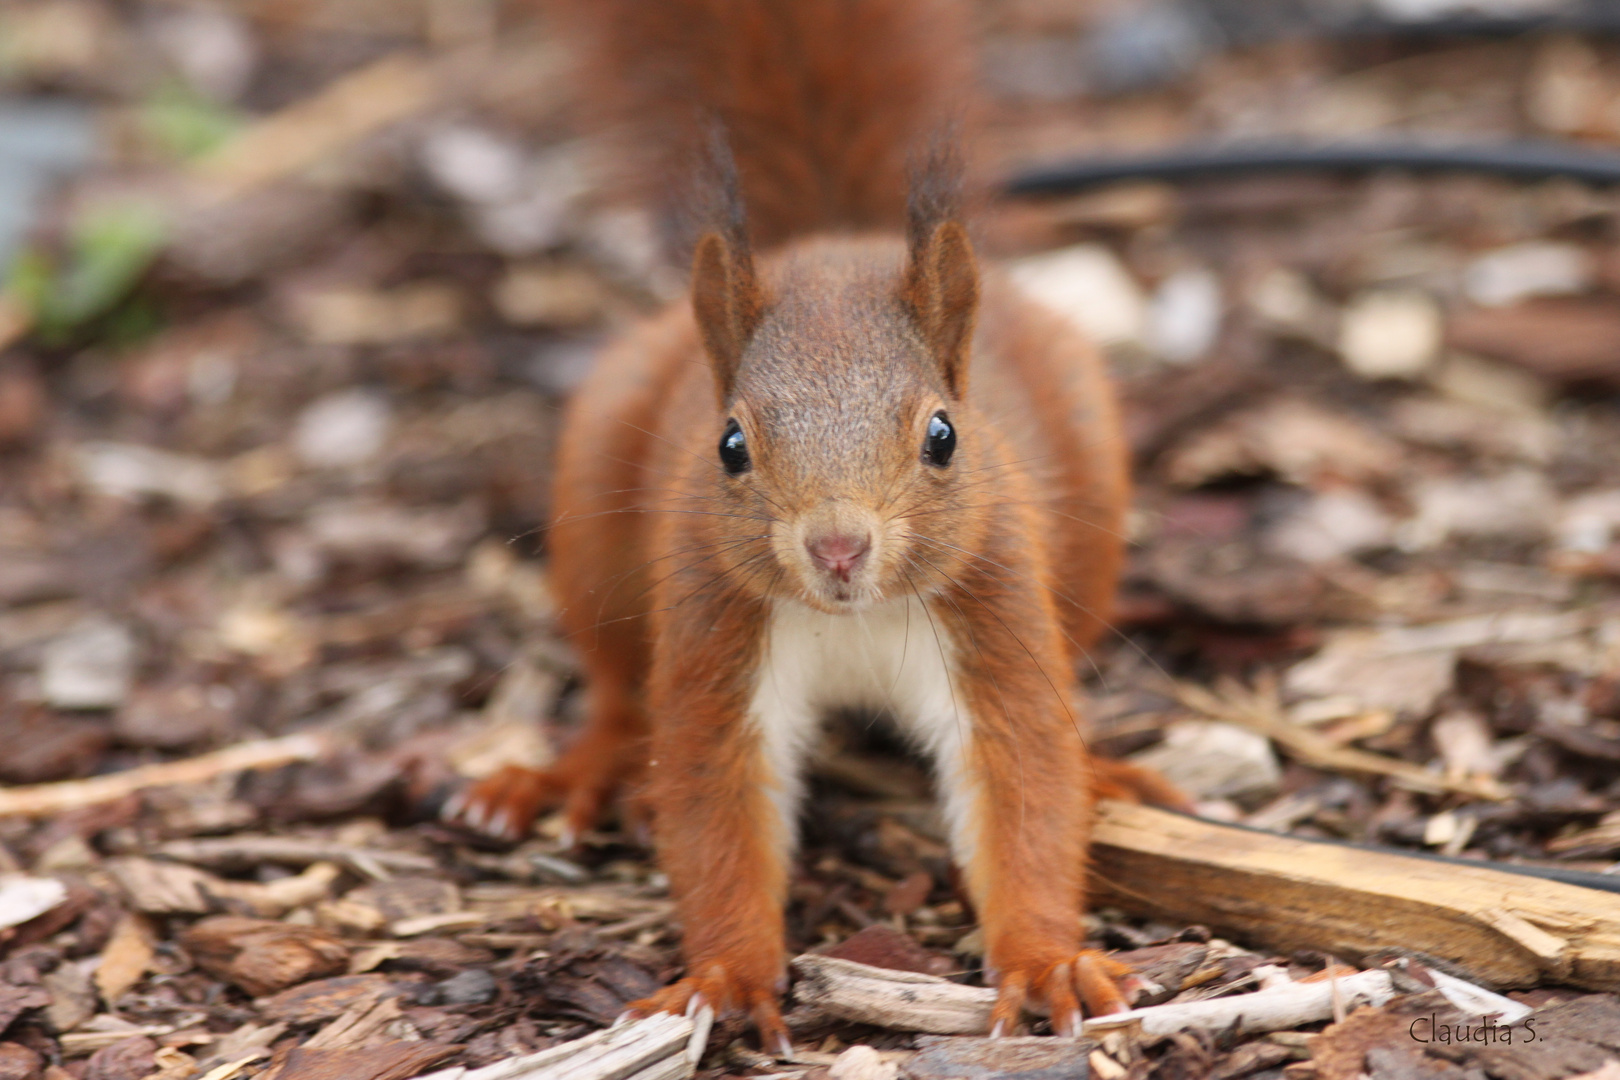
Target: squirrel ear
[
  {"x": 942, "y": 291},
  {"x": 727, "y": 302}
]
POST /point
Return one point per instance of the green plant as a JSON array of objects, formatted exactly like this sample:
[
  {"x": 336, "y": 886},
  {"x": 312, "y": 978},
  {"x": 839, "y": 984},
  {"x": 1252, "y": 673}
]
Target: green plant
[{"x": 109, "y": 248}]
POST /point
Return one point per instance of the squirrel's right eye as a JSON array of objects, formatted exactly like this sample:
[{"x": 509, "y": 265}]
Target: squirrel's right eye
[
  {"x": 734, "y": 449},
  {"x": 941, "y": 441}
]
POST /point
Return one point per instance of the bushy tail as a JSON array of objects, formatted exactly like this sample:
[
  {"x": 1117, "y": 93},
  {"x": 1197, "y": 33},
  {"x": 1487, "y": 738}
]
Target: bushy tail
[{"x": 823, "y": 101}]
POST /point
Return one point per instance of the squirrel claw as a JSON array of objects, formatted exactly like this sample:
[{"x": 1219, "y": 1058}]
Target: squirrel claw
[
  {"x": 503, "y": 805},
  {"x": 721, "y": 991},
  {"x": 1088, "y": 984},
  {"x": 1101, "y": 982},
  {"x": 1009, "y": 1004}
]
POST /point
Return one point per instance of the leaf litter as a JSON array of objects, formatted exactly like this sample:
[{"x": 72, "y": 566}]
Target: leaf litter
[{"x": 272, "y": 575}]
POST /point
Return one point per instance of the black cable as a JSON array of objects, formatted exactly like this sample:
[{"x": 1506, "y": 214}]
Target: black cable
[
  {"x": 1520, "y": 160},
  {"x": 1459, "y": 26},
  {"x": 1158, "y": 42},
  {"x": 1586, "y": 879},
  {"x": 1246, "y": 22}
]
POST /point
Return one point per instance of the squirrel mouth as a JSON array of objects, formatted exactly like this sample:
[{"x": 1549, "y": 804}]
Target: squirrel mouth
[{"x": 840, "y": 598}]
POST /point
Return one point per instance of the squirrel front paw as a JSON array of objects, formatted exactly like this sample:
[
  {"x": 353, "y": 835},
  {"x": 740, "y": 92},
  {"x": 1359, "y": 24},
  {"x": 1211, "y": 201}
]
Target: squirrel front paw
[
  {"x": 1090, "y": 979},
  {"x": 725, "y": 989},
  {"x": 504, "y": 804}
]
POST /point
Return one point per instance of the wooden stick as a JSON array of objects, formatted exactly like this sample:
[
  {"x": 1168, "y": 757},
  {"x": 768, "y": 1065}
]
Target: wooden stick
[
  {"x": 39, "y": 800},
  {"x": 1505, "y": 930},
  {"x": 1478, "y": 1001},
  {"x": 903, "y": 1000},
  {"x": 654, "y": 1048},
  {"x": 1280, "y": 1008},
  {"x": 1261, "y": 712},
  {"x": 231, "y": 852},
  {"x": 908, "y": 1001},
  {"x": 351, "y": 107},
  {"x": 355, "y": 106}
]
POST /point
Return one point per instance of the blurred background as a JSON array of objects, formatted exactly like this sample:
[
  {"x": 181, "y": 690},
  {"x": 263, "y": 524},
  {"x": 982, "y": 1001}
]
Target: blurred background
[{"x": 293, "y": 291}]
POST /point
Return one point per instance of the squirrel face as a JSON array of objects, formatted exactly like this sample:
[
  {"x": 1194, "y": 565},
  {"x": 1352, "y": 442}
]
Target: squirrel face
[{"x": 846, "y": 450}]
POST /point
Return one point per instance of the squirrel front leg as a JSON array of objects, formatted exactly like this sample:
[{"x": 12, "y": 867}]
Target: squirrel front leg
[
  {"x": 1015, "y": 778},
  {"x": 723, "y": 789}
]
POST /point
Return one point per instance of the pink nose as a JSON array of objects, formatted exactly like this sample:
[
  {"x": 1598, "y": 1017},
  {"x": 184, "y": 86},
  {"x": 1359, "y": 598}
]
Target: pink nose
[{"x": 839, "y": 554}]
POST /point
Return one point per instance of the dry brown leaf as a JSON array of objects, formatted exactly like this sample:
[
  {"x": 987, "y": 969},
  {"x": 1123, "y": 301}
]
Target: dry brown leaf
[
  {"x": 162, "y": 888},
  {"x": 127, "y": 957},
  {"x": 171, "y": 1064},
  {"x": 1340, "y": 1052},
  {"x": 250, "y": 1042},
  {"x": 262, "y": 956},
  {"x": 18, "y": 1062},
  {"x": 1294, "y": 440},
  {"x": 374, "y": 956},
  {"x": 130, "y": 1058},
  {"x": 389, "y": 1061},
  {"x": 231, "y": 1068},
  {"x": 326, "y": 998},
  {"x": 357, "y": 1026},
  {"x": 16, "y": 1000},
  {"x": 73, "y": 998}
]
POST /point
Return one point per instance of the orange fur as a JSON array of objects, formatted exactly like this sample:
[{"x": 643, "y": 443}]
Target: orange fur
[{"x": 830, "y": 357}]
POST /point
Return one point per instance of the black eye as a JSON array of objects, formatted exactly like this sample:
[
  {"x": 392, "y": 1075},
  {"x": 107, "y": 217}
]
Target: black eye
[
  {"x": 941, "y": 441},
  {"x": 734, "y": 449}
]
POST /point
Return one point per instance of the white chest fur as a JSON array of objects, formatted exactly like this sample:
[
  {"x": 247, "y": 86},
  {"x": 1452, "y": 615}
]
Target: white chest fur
[{"x": 895, "y": 657}]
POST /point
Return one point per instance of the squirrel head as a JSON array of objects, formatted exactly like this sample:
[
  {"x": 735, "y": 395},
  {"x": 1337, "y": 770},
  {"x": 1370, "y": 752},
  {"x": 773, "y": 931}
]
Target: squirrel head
[{"x": 847, "y": 447}]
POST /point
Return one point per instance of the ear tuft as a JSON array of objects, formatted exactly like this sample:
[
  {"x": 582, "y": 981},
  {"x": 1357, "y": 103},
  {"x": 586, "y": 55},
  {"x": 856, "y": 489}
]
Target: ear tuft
[
  {"x": 942, "y": 292},
  {"x": 727, "y": 302}
]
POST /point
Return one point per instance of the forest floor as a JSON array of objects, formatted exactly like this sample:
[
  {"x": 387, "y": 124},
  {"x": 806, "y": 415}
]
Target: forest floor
[{"x": 281, "y": 360}]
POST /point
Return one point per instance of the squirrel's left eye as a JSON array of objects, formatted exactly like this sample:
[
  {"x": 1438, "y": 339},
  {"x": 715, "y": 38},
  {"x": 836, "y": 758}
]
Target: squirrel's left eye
[
  {"x": 734, "y": 449},
  {"x": 941, "y": 441}
]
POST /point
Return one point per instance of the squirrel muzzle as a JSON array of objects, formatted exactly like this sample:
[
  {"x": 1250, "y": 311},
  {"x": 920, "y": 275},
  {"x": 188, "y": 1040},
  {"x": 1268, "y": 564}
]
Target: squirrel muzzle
[{"x": 835, "y": 551}]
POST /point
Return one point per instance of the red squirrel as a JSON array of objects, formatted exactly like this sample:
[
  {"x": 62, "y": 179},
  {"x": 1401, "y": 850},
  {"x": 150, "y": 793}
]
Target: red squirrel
[{"x": 852, "y": 469}]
